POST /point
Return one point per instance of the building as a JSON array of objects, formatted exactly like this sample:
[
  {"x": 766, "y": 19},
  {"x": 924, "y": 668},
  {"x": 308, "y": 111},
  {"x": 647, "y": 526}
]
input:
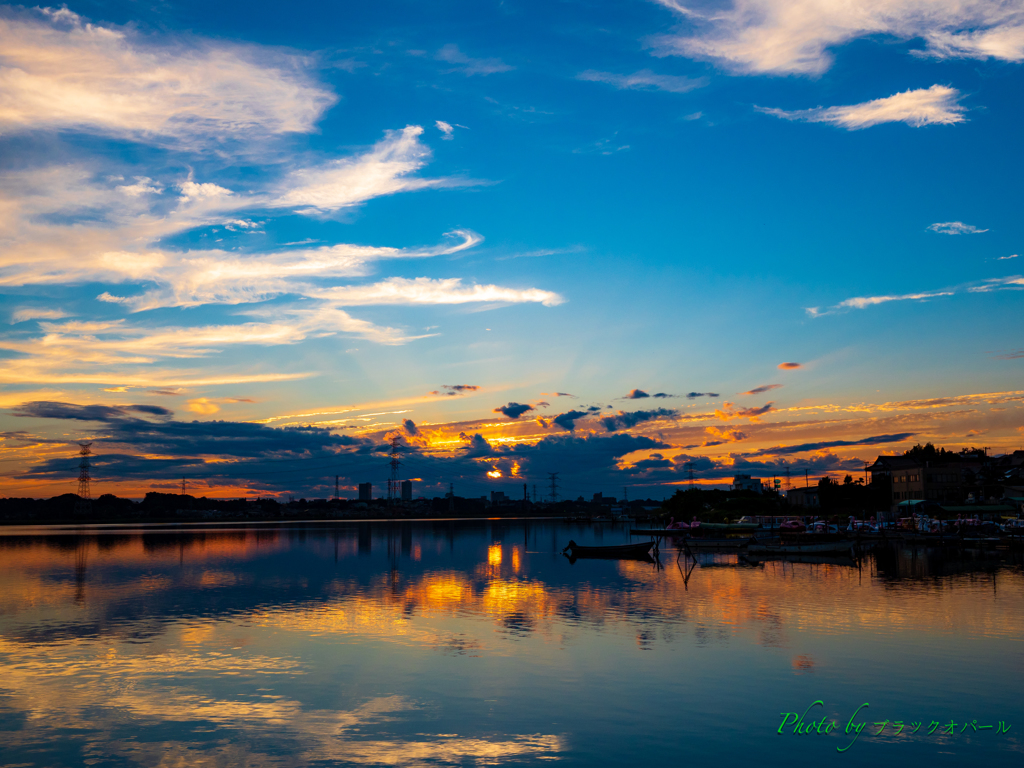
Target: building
[
  {"x": 908, "y": 479},
  {"x": 366, "y": 491},
  {"x": 803, "y": 497},
  {"x": 746, "y": 483},
  {"x": 498, "y": 497},
  {"x": 600, "y": 498},
  {"x": 407, "y": 490}
]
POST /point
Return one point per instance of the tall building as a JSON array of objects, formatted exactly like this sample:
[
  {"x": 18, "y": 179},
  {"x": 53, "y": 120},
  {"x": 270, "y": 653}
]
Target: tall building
[
  {"x": 746, "y": 483},
  {"x": 407, "y": 490},
  {"x": 366, "y": 491}
]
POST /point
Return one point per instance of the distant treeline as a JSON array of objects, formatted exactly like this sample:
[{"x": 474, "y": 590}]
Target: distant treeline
[{"x": 159, "y": 507}]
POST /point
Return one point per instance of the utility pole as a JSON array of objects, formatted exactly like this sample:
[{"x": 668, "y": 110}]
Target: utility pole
[
  {"x": 554, "y": 486},
  {"x": 534, "y": 493},
  {"x": 787, "y": 479},
  {"x": 807, "y": 483},
  {"x": 394, "y": 487},
  {"x": 337, "y": 495},
  {"x": 689, "y": 470}
]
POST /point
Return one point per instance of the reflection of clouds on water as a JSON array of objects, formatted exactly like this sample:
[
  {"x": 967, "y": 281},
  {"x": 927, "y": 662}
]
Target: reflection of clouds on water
[{"x": 98, "y": 692}]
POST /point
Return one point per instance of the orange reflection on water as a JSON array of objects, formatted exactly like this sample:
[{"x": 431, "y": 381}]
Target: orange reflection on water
[{"x": 494, "y": 555}]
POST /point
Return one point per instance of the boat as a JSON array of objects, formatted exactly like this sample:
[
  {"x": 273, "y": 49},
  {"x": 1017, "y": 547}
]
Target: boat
[
  {"x": 615, "y": 552},
  {"x": 833, "y": 547},
  {"x": 732, "y": 527}
]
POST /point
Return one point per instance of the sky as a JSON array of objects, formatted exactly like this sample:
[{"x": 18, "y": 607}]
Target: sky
[{"x": 249, "y": 244}]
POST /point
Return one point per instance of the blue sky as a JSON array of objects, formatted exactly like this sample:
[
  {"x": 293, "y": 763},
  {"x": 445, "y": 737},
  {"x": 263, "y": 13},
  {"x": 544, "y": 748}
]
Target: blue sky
[{"x": 343, "y": 207}]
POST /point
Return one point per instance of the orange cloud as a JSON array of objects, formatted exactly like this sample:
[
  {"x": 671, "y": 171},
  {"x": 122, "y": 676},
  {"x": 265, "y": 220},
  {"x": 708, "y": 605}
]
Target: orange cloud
[
  {"x": 726, "y": 435},
  {"x": 789, "y": 366},
  {"x": 730, "y": 411}
]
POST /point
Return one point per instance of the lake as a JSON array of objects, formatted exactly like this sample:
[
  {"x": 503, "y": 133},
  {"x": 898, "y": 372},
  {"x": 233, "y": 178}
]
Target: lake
[{"x": 475, "y": 642}]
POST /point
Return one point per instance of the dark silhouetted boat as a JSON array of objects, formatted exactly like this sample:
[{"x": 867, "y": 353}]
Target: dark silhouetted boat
[{"x": 639, "y": 551}]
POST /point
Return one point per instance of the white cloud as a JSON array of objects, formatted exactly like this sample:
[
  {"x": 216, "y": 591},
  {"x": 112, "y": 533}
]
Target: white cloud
[
  {"x": 190, "y": 190},
  {"x": 955, "y": 228},
  {"x": 645, "y": 79},
  {"x": 1006, "y": 258},
  {"x": 423, "y": 290},
  {"x": 1015, "y": 282},
  {"x": 383, "y": 170},
  {"x": 924, "y": 106},
  {"x": 57, "y": 71},
  {"x": 143, "y": 186},
  {"x": 445, "y": 128},
  {"x": 45, "y": 243},
  {"x": 35, "y": 313},
  {"x": 862, "y": 302},
  {"x": 795, "y": 36},
  {"x": 220, "y": 277},
  {"x": 468, "y": 65}
]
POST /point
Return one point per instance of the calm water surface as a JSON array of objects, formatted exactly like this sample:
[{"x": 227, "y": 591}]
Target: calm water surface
[{"x": 476, "y": 643}]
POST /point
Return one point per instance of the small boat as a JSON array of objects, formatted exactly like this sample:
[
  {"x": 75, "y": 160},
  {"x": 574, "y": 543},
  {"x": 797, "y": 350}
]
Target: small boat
[
  {"x": 639, "y": 551},
  {"x": 833, "y": 547},
  {"x": 732, "y": 527}
]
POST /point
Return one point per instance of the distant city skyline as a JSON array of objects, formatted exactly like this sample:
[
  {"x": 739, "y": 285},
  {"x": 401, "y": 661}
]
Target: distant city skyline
[{"x": 617, "y": 241}]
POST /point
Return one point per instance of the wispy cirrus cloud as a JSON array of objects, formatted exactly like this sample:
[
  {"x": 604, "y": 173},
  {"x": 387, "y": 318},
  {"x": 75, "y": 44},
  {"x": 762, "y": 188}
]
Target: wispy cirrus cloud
[
  {"x": 61, "y": 72},
  {"x": 469, "y": 66},
  {"x": 423, "y": 290},
  {"x": 1012, "y": 282},
  {"x": 36, "y": 313},
  {"x": 860, "y": 302},
  {"x": 925, "y": 106},
  {"x": 762, "y": 389},
  {"x": 785, "y": 450},
  {"x": 783, "y": 37},
  {"x": 645, "y": 80},
  {"x": 385, "y": 169},
  {"x": 955, "y": 228}
]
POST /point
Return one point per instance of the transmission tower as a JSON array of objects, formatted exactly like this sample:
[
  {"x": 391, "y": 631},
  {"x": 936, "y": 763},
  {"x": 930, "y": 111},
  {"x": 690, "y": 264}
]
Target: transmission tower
[
  {"x": 337, "y": 495},
  {"x": 184, "y": 485},
  {"x": 788, "y": 484},
  {"x": 554, "y": 486},
  {"x": 84, "y": 503},
  {"x": 689, "y": 470},
  {"x": 394, "y": 486},
  {"x": 534, "y": 493}
]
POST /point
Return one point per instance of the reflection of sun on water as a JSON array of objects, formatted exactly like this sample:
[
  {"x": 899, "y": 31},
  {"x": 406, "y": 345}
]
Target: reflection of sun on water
[{"x": 515, "y": 559}]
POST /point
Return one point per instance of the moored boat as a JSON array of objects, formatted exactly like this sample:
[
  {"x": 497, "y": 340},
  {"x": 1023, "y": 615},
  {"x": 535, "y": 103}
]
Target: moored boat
[{"x": 614, "y": 552}]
